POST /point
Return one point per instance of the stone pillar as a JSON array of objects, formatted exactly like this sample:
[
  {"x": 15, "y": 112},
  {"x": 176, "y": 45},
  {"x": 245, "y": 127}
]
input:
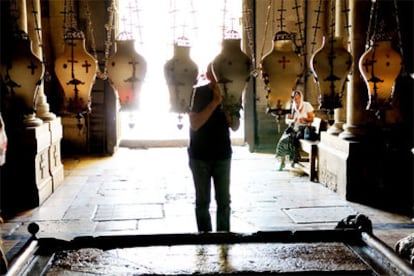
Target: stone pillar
[
  {"x": 55, "y": 162},
  {"x": 357, "y": 95},
  {"x": 340, "y": 31},
  {"x": 22, "y": 18},
  {"x": 26, "y": 181},
  {"x": 35, "y": 34}
]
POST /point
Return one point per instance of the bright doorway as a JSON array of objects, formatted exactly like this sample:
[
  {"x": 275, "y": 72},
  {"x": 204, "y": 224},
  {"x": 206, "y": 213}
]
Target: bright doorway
[{"x": 154, "y": 40}]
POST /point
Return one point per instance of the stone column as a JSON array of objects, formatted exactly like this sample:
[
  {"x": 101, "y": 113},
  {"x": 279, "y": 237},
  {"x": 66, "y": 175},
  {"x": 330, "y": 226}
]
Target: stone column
[
  {"x": 22, "y": 24},
  {"x": 357, "y": 95},
  {"x": 34, "y": 20},
  {"x": 340, "y": 31},
  {"x": 22, "y": 18}
]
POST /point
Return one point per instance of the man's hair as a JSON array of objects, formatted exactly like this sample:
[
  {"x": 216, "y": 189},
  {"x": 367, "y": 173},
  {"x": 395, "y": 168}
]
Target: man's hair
[
  {"x": 209, "y": 72},
  {"x": 209, "y": 68}
]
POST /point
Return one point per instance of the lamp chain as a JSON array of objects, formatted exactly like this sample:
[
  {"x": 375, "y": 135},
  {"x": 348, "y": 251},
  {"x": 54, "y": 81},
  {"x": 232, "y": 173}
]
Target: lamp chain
[
  {"x": 372, "y": 23},
  {"x": 224, "y": 18},
  {"x": 347, "y": 26},
  {"x": 193, "y": 11},
  {"x": 281, "y": 19},
  {"x": 14, "y": 14},
  {"x": 64, "y": 12},
  {"x": 316, "y": 26},
  {"x": 269, "y": 8},
  {"x": 332, "y": 23},
  {"x": 91, "y": 33},
  {"x": 331, "y": 55},
  {"x": 173, "y": 12},
  {"x": 248, "y": 26},
  {"x": 299, "y": 23},
  {"x": 109, "y": 27},
  {"x": 400, "y": 45},
  {"x": 72, "y": 14},
  {"x": 138, "y": 23}
]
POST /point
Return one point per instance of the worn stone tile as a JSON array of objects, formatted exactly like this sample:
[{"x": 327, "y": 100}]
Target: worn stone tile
[
  {"x": 83, "y": 212},
  {"x": 151, "y": 191},
  {"x": 107, "y": 212},
  {"x": 119, "y": 225},
  {"x": 319, "y": 214}
]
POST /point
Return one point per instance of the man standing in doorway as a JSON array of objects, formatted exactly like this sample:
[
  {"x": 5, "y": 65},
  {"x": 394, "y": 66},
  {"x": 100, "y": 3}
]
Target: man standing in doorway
[{"x": 210, "y": 152}]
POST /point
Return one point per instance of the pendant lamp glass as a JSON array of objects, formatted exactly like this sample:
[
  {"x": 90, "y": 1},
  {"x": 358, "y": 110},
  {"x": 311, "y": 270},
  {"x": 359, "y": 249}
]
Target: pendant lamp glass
[
  {"x": 380, "y": 66},
  {"x": 231, "y": 68},
  {"x": 331, "y": 64},
  {"x": 76, "y": 71},
  {"x": 281, "y": 68},
  {"x": 181, "y": 75},
  {"x": 22, "y": 72},
  {"x": 126, "y": 72}
]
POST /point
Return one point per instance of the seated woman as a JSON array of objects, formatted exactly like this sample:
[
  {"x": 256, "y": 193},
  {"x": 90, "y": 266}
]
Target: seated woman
[{"x": 301, "y": 116}]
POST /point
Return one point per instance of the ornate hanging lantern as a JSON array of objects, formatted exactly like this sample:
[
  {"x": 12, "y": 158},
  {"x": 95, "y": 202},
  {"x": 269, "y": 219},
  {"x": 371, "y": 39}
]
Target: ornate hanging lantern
[
  {"x": 181, "y": 74},
  {"x": 281, "y": 68},
  {"x": 22, "y": 72},
  {"x": 76, "y": 71},
  {"x": 231, "y": 68},
  {"x": 126, "y": 71},
  {"x": 331, "y": 65},
  {"x": 380, "y": 65},
  {"x": 181, "y": 71}
]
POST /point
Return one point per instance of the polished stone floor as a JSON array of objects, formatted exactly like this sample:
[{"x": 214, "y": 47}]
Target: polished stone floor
[{"x": 150, "y": 191}]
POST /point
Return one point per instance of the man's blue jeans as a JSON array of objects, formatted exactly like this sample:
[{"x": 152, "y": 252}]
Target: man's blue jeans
[{"x": 203, "y": 172}]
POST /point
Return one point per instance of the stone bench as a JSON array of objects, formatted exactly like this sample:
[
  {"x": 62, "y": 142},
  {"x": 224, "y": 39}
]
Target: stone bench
[{"x": 309, "y": 153}]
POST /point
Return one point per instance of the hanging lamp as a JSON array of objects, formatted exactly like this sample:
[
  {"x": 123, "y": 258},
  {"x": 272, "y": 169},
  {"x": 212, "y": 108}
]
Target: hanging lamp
[
  {"x": 126, "y": 72},
  {"x": 181, "y": 71},
  {"x": 127, "y": 69},
  {"x": 281, "y": 67},
  {"x": 76, "y": 71},
  {"x": 21, "y": 70},
  {"x": 231, "y": 69},
  {"x": 330, "y": 65},
  {"x": 75, "y": 68},
  {"x": 380, "y": 66},
  {"x": 181, "y": 74}
]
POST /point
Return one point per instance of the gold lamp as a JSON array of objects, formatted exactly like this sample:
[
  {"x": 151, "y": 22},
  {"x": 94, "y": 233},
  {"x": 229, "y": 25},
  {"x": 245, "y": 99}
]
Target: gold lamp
[
  {"x": 231, "y": 68},
  {"x": 331, "y": 65},
  {"x": 126, "y": 72},
  {"x": 21, "y": 73},
  {"x": 76, "y": 71},
  {"x": 281, "y": 68},
  {"x": 380, "y": 66}
]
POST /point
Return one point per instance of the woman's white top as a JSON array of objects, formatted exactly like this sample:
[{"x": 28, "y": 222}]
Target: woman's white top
[{"x": 301, "y": 112}]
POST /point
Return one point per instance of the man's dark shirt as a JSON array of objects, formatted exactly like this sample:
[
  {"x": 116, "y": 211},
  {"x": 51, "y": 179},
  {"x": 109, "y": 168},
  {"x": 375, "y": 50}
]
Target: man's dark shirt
[{"x": 212, "y": 140}]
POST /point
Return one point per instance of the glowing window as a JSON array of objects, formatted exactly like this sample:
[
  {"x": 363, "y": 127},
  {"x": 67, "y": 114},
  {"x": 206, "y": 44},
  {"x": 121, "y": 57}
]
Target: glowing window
[{"x": 155, "y": 25}]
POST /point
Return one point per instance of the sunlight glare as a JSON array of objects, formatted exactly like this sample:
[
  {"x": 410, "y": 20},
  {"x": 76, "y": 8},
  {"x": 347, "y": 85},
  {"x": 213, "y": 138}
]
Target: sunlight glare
[{"x": 203, "y": 25}]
